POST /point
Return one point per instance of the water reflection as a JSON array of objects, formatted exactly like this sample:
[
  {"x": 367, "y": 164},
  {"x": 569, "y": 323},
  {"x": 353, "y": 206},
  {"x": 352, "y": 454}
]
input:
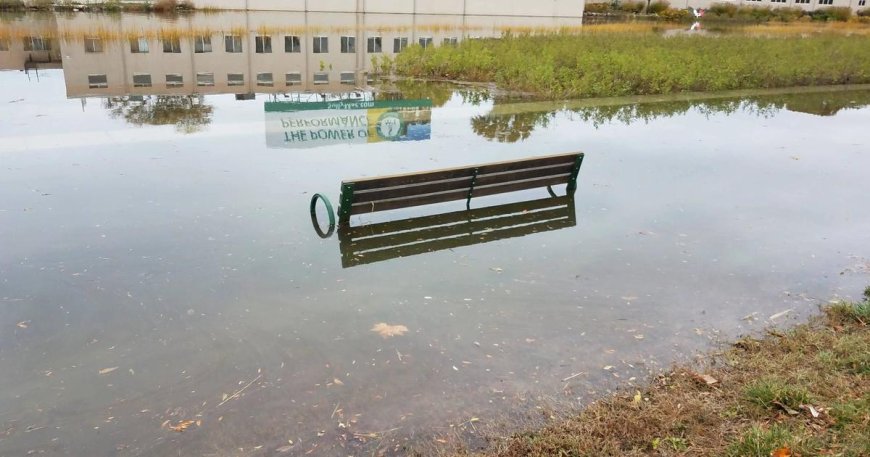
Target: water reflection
[
  {"x": 506, "y": 122},
  {"x": 407, "y": 237},
  {"x": 189, "y": 263},
  {"x": 312, "y": 124},
  {"x": 510, "y": 128},
  {"x": 234, "y": 52},
  {"x": 188, "y": 113}
]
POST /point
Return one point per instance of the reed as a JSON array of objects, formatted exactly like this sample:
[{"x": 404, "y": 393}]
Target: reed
[{"x": 593, "y": 64}]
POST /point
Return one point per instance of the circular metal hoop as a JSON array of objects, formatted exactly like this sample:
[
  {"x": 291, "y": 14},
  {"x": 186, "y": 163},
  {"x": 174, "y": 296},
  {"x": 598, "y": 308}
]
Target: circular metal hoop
[{"x": 329, "y": 211}]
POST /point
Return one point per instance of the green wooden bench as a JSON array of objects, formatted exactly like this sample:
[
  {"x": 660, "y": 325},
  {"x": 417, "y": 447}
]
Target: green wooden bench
[{"x": 382, "y": 193}]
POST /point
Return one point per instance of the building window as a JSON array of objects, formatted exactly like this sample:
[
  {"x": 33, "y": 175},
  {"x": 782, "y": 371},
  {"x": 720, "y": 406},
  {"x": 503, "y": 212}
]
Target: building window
[
  {"x": 139, "y": 45},
  {"x": 425, "y": 42},
  {"x": 348, "y": 77},
  {"x": 174, "y": 80},
  {"x": 348, "y": 44},
  {"x": 264, "y": 44},
  {"x": 320, "y": 45},
  {"x": 321, "y": 78},
  {"x": 862, "y": 2},
  {"x": 374, "y": 44},
  {"x": 93, "y": 45},
  {"x": 233, "y": 43},
  {"x": 205, "y": 79},
  {"x": 202, "y": 44},
  {"x": 264, "y": 79},
  {"x": 235, "y": 79},
  {"x": 141, "y": 80},
  {"x": 33, "y": 43},
  {"x": 98, "y": 81},
  {"x": 4, "y": 44},
  {"x": 807, "y": 2},
  {"x": 292, "y": 44},
  {"x": 826, "y": 2},
  {"x": 171, "y": 46},
  {"x": 453, "y": 41},
  {"x": 293, "y": 79},
  {"x": 399, "y": 44}
]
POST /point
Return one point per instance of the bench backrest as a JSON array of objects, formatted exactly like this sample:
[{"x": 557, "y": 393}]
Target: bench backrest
[
  {"x": 383, "y": 193},
  {"x": 388, "y": 240}
]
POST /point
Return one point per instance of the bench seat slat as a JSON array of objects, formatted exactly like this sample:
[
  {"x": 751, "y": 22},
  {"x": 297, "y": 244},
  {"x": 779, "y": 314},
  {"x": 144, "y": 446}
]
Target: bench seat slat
[
  {"x": 456, "y": 229},
  {"x": 457, "y": 172},
  {"x": 381, "y": 228},
  {"x": 349, "y": 260},
  {"x": 409, "y": 190}
]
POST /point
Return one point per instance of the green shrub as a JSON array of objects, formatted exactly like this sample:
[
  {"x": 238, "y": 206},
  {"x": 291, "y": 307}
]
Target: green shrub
[
  {"x": 632, "y": 7},
  {"x": 597, "y": 7},
  {"x": 658, "y": 7},
  {"x": 833, "y": 13},
  {"x": 722, "y": 10},
  {"x": 787, "y": 14},
  {"x": 165, "y": 6},
  {"x": 11, "y": 5},
  {"x": 674, "y": 15}
]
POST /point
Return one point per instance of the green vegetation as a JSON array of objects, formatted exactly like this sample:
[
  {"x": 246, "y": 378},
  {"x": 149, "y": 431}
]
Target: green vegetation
[
  {"x": 793, "y": 393},
  {"x": 773, "y": 393},
  {"x": 724, "y": 11},
  {"x": 107, "y": 6},
  {"x": 728, "y": 11},
  {"x": 188, "y": 113},
  {"x": 659, "y": 8},
  {"x": 11, "y": 5},
  {"x": 508, "y": 121},
  {"x": 604, "y": 64}
]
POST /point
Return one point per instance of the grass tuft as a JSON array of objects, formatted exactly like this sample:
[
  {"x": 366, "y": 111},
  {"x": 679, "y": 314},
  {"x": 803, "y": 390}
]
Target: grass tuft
[
  {"x": 773, "y": 393},
  {"x": 760, "y": 441}
]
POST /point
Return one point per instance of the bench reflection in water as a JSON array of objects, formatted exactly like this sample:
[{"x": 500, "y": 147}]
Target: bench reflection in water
[{"x": 401, "y": 238}]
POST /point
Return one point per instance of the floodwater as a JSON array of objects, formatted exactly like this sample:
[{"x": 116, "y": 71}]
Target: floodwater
[{"x": 158, "y": 262}]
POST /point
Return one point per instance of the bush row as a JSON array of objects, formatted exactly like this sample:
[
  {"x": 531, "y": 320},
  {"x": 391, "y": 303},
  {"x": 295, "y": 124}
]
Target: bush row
[
  {"x": 609, "y": 64},
  {"x": 726, "y": 11}
]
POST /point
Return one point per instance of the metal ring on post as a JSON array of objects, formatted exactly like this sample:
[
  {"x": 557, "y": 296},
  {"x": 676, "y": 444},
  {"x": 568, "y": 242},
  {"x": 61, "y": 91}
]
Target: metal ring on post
[{"x": 329, "y": 211}]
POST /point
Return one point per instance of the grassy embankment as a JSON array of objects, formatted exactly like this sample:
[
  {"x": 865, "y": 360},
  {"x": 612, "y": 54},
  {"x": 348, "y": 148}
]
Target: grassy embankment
[
  {"x": 598, "y": 63},
  {"x": 802, "y": 392}
]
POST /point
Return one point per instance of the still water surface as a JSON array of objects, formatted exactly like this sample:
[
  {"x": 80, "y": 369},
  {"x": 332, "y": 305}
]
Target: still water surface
[{"x": 152, "y": 272}]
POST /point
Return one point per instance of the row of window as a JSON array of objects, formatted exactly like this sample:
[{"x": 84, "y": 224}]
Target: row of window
[
  {"x": 263, "y": 44},
  {"x": 233, "y": 79}
]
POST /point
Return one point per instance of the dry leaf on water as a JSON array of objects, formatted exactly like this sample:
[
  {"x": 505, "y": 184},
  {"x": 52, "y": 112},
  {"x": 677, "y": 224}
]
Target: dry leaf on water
[
  {"x": 108, "y": 370},
  {"x": 387, "y": 330},
  {"x": 781, "y": 452},
  {"x": 183, "y": 425}
]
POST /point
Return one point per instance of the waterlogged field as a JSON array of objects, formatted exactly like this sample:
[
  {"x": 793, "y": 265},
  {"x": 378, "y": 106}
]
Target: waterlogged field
[{"x": 163, "y": 290}]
